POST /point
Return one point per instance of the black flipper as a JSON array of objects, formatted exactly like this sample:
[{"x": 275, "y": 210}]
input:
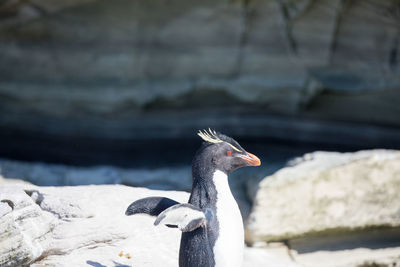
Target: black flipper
[{"x": 150, "y": 205}]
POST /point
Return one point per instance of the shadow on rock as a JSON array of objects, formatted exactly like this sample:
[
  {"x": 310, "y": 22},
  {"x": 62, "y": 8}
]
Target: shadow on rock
[{"x": 97, "y": 264}]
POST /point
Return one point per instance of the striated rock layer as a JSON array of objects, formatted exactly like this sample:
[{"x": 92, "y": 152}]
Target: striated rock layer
[{"x": 101, "y": 72}]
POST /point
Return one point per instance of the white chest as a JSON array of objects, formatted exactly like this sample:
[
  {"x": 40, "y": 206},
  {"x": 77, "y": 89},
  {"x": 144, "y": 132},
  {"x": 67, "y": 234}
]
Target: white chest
[{"x": 228, "y": 249}]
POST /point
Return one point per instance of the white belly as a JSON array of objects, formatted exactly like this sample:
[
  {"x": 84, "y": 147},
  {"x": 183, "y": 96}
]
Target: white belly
[{"x": 228, "y": 249}]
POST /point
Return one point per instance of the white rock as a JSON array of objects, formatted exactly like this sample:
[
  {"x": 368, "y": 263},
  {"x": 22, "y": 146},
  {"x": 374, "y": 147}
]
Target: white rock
[
  {"x": 87, "y": 226},
  {"x": 357, "y": 257},
  {"x": 274, "y": 257},
  {"x": 328, "y": 191},
  {"x": 4, "y": 208},
  {"x": 104, "y": 231},
  {"x": 333, "y": 209},
  {"x": 25, "y": 230},
  {"x": 11, "y": 181}
]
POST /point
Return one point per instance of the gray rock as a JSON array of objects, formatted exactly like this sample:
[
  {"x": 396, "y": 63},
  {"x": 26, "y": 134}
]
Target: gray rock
[
  {"x": 25, "y": 231},
  {"x": 332, "y": 209},
  {"x": 63, "y": 209},
  {"x": 326, "y": 192},
  {"x": 102, "y": 235},
  {"x": 46, "y": 225}
]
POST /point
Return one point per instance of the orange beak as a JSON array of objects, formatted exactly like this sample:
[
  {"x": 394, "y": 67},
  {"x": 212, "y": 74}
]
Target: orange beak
[{"x": 251, "y": 159}]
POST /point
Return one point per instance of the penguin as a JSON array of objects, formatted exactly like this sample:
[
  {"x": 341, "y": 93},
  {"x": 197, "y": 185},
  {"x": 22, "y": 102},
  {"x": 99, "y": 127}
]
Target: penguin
[{"x": 211, "y": 222}]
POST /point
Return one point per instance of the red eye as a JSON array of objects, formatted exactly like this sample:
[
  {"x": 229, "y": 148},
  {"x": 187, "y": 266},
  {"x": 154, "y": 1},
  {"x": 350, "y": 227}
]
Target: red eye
[{"x": 229, "y": 153}]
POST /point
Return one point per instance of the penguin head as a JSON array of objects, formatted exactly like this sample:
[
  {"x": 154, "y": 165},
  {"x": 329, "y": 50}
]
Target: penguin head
[{"x": 224, "y": 153}]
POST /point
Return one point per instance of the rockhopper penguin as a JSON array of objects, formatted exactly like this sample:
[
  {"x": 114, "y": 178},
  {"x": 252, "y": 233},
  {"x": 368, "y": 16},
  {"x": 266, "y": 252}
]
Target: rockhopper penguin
[{"x": 211, "y": 222}]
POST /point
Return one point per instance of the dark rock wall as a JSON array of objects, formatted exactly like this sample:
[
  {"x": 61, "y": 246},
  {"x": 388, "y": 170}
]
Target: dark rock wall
[{"x": 129, "y": 70}]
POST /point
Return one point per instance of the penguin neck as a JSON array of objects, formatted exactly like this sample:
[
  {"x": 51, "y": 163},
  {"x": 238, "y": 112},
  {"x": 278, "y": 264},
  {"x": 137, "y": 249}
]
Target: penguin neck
[{"x": 207, "y": 184}]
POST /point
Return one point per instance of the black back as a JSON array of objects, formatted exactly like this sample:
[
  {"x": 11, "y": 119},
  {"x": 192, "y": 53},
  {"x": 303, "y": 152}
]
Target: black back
[{"x": 197, "y": 246}]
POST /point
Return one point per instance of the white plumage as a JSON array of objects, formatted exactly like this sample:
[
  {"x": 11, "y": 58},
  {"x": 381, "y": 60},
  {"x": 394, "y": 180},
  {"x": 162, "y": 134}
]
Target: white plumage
[
  {"x": 184, "y": 216},
  {"x": 228, "y": 249}
]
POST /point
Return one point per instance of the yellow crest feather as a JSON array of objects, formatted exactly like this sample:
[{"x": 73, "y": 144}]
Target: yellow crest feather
[
  {"x": 212, "y": 137},
  {"x": 209, "y": 136}
]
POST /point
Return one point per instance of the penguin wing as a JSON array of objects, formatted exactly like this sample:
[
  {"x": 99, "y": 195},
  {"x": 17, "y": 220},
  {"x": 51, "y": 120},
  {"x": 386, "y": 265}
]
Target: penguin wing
[
  {"x": 150, "y": 205},
  {"x": 184, "y": 216}
]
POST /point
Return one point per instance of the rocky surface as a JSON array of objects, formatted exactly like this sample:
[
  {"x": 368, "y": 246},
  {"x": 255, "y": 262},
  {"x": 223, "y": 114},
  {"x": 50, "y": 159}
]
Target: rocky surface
[
  {"x": 100, "y": 72},
  {"x": 173, "y": 178},
  {"x": 341, "y": 209},
  {"x": 24, "y": 228},
  {"x": 324, "y": 209},
  {"x": 86, "y": 226},
  {"x": 334, "y": 192}
]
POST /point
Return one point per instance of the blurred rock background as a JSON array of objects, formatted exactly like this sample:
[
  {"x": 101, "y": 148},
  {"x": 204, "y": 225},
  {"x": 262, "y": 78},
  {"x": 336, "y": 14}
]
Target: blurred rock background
[{"x": 83, "y": 80}]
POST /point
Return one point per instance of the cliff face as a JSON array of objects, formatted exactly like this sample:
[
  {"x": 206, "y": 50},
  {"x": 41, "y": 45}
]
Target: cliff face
[{"x": 135, "y": 69}]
